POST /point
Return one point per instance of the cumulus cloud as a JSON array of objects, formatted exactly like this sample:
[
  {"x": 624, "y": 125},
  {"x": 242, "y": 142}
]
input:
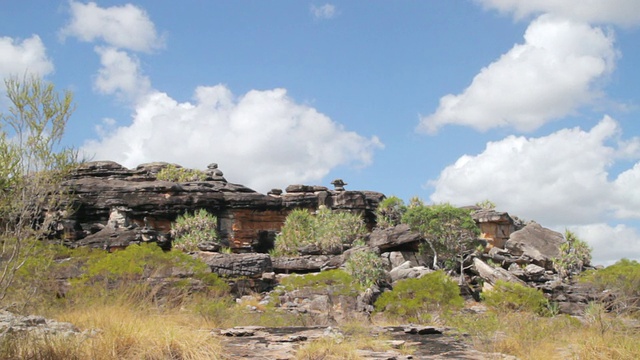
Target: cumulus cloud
[
  {"x": 120, "y": 75},
  {"x": 26, "y": 56},
  {"x": 557, "y": 179},
  {"x": 262, "y": 139},
  {"x": 127, "y": 26},
  {"x": 610, "y": 243},
  {"x": 626, "y": 193},
  {"x": 621, "y": 12},
  {"x": 326, "y": 11},
  {"x": 547, "y": 77}
]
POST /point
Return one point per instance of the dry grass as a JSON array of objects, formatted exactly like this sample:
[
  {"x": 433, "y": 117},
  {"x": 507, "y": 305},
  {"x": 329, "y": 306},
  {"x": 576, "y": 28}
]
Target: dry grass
[
  {"x": 121, "y": 332},
  {"x": 528, "y": 336}
]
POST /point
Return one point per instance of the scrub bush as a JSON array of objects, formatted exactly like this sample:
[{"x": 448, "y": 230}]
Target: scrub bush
[
  {"x": 507, "y": 296},
  {"x": 328, "y": 230},
  {"x": 415, "y": 300},
  {"x": 189, "y": 230},
  {"x": 366, "y": 267}
]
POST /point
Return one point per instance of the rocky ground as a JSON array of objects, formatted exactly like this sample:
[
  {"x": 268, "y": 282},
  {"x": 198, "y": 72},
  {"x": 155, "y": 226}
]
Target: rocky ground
[{"x": 406, "y": 342}]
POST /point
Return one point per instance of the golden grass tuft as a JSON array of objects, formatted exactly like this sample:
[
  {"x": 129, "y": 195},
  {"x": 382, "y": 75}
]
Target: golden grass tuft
[
  {"x": 127, "y": 333},
  {"x": 528, "y": 336},
  {"x": 120, "y": 332}
]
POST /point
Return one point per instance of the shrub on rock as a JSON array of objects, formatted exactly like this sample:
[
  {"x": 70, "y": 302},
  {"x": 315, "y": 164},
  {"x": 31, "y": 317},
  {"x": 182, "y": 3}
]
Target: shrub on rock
[
  {"x": 328, "y": 231},
  {"x": 176, "y": 173},
  {"x": 189, "y": 230}
]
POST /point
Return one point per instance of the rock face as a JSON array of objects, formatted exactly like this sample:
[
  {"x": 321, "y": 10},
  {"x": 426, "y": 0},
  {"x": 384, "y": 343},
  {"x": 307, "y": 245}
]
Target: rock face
[
  {"x": 536, "y": 244},
  {"x": 248, "y": 221},
  {"x": 237, "y": 265},
  {"x": 394, "y": 238},
  {"x": 495, "y": 227}
]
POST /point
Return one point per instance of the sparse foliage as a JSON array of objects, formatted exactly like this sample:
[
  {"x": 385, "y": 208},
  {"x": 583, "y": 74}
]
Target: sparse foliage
[
  {"x": 389, "y": 212},
  {"x": 486, "y": 205},
  {"x": 189, "y": 230},
  {"x": 176, "y": 173},
  {"x": 32, "y": 167},
  {"x": 366, "y": 267},
  {"x": 574, "y": 255},
  {"x": 622, "y": 279}
]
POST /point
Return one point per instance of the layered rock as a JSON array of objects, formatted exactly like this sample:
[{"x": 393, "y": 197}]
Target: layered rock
[{"x": 248, "y": 220}]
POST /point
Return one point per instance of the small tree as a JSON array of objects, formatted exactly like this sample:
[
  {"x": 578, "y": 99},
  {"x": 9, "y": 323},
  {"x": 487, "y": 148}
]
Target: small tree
[
  {"x": 574, "y": 255},
  {"x": 449, "y": 231},
  {"x": 389, "y": 212},
  {"x": 32, "y": 168}
]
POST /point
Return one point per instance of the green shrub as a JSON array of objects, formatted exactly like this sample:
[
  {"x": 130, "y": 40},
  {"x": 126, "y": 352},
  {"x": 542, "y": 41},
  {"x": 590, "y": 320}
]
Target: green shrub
[
  {"x": 416, "y": 299},
  {"x": 176, "y": 173},
  {"x": 129, "y": 273},
  {"x": 333, "y": 229},
  {"x": 191, "y": 229},
  {"x": 297, "y": 230},
  {"x": 507, "y": 296},
  {"x": 366, "y": 267},
  {"x": 389, "y": 212},
  {"x": 623, "y": 280},
  {"x": 328, "y": 230},
  {"x": 338, "y": 281}
]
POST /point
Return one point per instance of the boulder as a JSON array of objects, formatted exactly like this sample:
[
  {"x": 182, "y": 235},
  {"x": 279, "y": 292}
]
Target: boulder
[
  {"x": 237, "y": 265},
  {"x": 394, "y": 237},
  {"x": 406, "y": 271},
  {"x": 397, "y": 258},
  {"x": 493, "y": 274},
  {"x": 305, "y": 263},
  {"x": 535, "y": 244}
]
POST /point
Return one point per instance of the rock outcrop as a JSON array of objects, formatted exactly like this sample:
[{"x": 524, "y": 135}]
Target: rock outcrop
[
  {"x": 248, "y": 220},
  {"x": 535, "y": 244}
]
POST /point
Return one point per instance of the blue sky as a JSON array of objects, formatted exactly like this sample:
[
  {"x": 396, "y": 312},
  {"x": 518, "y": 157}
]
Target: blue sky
[{"x": 533, "y": 105}]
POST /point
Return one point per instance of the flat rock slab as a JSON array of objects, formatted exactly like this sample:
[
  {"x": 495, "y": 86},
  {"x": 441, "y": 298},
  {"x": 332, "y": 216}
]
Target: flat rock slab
[{"x": 282, "y": 343}]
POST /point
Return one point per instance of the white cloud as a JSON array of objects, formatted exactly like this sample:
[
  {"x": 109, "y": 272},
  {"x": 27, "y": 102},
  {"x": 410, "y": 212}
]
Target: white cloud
[
  {"x": 326, "y": 11},
  {"x": 26, "y": 56},
  {"x": 610, "y": 243},
  {"x": 262, "y": 139},
  {"x": 120, "y": 75},
  {"x": 547, "y": 77},
  {"x": 126, "y": 26},
  {"x": 627, "y": 193},
  {"x": 556, "y": 180},
  {"x": 622, "y": 12},
  {"x": 559, "y": 180}
]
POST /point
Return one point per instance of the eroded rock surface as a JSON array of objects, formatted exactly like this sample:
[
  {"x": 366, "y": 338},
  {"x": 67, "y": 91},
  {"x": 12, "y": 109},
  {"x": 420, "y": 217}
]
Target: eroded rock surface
[{"x": 428, "y": 343}]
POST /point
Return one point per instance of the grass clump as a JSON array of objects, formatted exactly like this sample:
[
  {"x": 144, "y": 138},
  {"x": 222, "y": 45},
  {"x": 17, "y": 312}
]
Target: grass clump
[
  {"x": 513, "y": 297},
  {"x": 415, "y": 300},
  {"x": 189, "y": 230},
  {"x": 176, "y": 173},
  {"x": 329, "y": 231}
]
